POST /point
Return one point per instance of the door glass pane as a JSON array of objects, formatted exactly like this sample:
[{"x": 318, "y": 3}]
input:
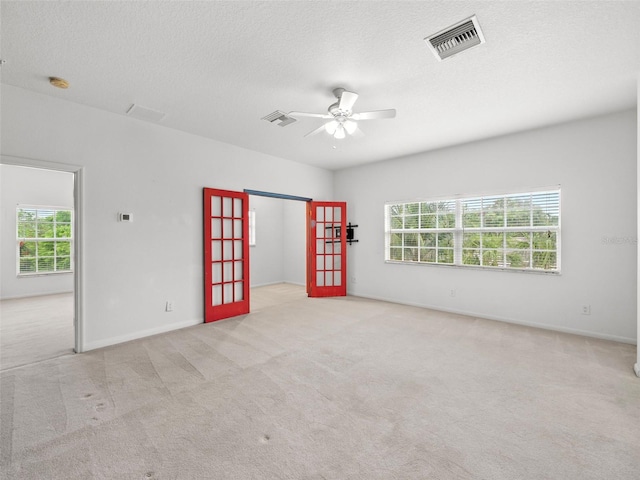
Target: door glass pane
[
  {"x": 215, "y": 206},
  {"x": 216, "y": 228},
  {"x": 237, "y": 207},
  {"x": 328, "y": 264},
  {"x": 320, "y": 262},
  {"x": 226, "y": 228},
  {"x": 320, "y": 214},
  {"x": 228, "y": 292},
  {"x": 328, "y": 214},
  {"x": 216, "y": 250},
  {"x": 320, "y": 246},
  {"x": 238, "y": 291},
  {"x": 337, "y": 214},
  {"x": 227, "y": 250},
  {"x": 237, "y": 229},
  {"x": 320, "y": 279},
  {"x": 216, "y": 272},
  {"x": 337, "y": 247},
  {"x": 319, "y": 230},
  {"x": 237, "y": 250},
  {"x": 337, "y": 279},
  {"x": 228, "y": 271},
  {"x": 226, "y": 206},
  {"x": 217, "y": 295},
  {"x": 238, "y": 273},
  {"x": 337, "y": 261},
  {"x": 329, "y": 279},
  {"x": 328, "y": 247}
]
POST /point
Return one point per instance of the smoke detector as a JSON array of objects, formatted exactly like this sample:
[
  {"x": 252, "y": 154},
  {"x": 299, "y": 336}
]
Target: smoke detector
[{"x": 456, "y": 38}]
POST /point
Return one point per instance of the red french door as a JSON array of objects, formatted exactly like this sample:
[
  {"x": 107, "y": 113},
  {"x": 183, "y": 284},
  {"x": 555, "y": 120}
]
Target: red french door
[
  {"x": 226, "y": 254},
  {"x": 326, "y": 249}
]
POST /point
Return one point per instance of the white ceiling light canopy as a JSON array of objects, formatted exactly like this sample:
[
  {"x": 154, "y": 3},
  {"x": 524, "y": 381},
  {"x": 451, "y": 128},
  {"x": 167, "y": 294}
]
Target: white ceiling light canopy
[
  {"x": 57, "y": 82},
  {"x": 342, "y": 120}
]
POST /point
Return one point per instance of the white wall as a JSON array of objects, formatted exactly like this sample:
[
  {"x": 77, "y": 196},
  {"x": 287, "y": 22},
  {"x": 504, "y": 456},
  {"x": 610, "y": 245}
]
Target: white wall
[
  {"x": 267, "y": 255},
  {"x": 295, "y": 241},
  {"x": 157, "y": 174},
  {"x": 593, "y": 160},
  {"x": 34, "y": 187}
]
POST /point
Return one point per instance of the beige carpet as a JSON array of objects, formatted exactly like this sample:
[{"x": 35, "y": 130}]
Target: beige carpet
[
  {"x": 319, "y": 389},
  {"x": 35, "y": 328}
]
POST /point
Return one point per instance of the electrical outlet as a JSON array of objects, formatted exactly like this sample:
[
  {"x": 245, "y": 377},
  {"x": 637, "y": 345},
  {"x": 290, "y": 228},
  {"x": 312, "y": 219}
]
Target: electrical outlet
[
  {"x": 586, "y": 309},
  {"x": 169, "y": 306}
]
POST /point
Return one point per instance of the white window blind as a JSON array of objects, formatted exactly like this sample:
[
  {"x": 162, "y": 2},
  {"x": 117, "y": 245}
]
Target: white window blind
[
  {"x": 44, "y": 240},
  {"x": 514, "y": 231}
]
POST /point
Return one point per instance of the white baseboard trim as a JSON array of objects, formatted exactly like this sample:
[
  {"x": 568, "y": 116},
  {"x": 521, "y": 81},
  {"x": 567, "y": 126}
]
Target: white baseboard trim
[
  {"x": 258, "y": 285},
  {"x": 30, "y": 295},
  {"x": 636, "y": 368},
  {"x": 544, "y": 326},
  {"x": 277, "y": 283},
  {"x": 141, "y": 334}
]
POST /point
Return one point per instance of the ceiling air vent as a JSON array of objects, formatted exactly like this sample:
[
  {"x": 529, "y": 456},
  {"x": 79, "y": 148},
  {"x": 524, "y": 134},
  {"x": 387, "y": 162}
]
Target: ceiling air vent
[
  {"x": 144, "y": 113},
  {"x": 455, "y": 39},
  {"x": 278, "y": 115}
]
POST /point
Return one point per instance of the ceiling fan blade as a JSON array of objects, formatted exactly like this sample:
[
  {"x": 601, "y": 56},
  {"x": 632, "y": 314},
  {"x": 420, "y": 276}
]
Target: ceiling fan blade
[
  {"x": 347, "y": 100},
  {"x": 375, "y": 114},
  {"x": 305, "y": 114},
  {"x": 316, "y": 131},
  {"x": 358, "y": 133}
]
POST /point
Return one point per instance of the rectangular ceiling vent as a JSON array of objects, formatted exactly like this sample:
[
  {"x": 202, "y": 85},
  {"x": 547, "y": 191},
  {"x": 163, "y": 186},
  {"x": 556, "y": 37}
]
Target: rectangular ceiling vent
[
  {"x": 281, "y": 116},
  {"x": 456, "y": 38},
  {"x": 144, "y": 113}
]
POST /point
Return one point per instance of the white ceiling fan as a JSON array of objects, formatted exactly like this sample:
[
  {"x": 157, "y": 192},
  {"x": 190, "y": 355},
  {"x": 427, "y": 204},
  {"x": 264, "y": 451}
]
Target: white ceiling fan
[{"x": 342, "y": 120}]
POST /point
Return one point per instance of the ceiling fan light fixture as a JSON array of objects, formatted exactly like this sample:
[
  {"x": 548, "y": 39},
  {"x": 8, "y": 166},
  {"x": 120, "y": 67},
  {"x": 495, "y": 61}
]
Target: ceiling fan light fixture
[
  {"x": 350, "y": 126},
  {"x": 341, "y": 120},
  {"x": 331, "y": 127}
]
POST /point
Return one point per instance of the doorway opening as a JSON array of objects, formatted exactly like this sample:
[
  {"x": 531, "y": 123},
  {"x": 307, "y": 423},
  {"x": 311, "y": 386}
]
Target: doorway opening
[
  {"x": 278, "y": 255},
  {"x": 41, "y": 262}
]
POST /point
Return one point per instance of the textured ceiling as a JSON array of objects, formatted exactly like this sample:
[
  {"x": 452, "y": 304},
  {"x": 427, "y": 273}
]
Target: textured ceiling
[{"x": 216, "y": 68}]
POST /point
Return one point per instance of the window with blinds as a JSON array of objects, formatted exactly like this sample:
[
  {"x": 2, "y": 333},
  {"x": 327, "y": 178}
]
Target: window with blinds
[
  {"x": 514, "y": 231},
  {"x": 252, "y": 228},
  {"x": 44, "y": 240}
]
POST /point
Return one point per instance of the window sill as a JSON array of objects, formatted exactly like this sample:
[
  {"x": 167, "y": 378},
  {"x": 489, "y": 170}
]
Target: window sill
[
  {"x": 473, "y": 267},
  {"x": 42, "y": 274}
]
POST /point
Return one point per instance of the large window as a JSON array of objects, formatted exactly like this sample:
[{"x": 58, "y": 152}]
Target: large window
[
  {"x": 515, "y": 231},
  {"x": 44, "y": 238}
]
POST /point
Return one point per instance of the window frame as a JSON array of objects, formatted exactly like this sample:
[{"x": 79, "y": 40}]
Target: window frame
[
  {"x": 457, "y": 253},
  {"x": 36, "y": 240}
]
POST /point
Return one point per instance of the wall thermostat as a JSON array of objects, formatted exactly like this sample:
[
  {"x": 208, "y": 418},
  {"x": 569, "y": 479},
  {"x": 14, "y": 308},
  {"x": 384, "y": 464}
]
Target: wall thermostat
[{"x": 125, "y": 217}]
